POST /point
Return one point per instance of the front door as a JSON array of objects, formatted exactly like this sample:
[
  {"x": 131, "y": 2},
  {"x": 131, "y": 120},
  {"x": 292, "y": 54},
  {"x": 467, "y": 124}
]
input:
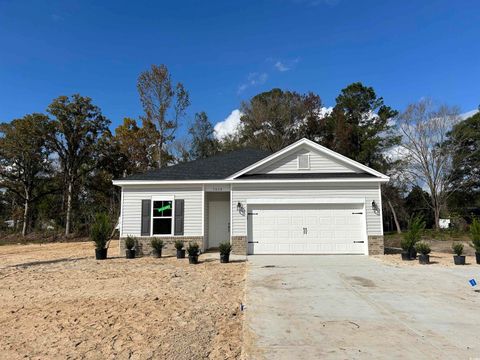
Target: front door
[{"x": 218, "y": 222}]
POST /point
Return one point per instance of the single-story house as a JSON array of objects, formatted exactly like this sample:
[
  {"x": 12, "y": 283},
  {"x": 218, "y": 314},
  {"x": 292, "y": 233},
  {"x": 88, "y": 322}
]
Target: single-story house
[{"x": 303, "y": 199}]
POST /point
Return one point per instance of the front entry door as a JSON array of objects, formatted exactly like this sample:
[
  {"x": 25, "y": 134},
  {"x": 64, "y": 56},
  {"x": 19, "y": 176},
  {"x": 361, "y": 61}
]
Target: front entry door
[{"x": 218, "y": 222}]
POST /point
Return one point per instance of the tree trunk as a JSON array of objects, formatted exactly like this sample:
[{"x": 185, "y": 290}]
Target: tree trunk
[
  {"x": 160, "y": 147},
  {"x": 437, "y": 218},
  {"x": 15, "y": 220},
  {"x": 436, "y": 212},
  {"x": 397, "y": 224},
  {"x": 25, "y": 216},
  {"x": 69, "y": 207}
]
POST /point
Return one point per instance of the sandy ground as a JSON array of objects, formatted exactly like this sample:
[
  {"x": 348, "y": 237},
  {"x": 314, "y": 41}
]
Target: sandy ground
[
  {"x": 57, "y": 301},
  {"x": 436, "y": 259}
]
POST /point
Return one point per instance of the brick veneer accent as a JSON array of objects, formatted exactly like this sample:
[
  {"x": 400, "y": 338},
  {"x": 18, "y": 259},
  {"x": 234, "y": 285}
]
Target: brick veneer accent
[
  {"x": 144, "y": 248},
  {"x": 239, "y": 245},
  {"x": 375, "y": 245}
]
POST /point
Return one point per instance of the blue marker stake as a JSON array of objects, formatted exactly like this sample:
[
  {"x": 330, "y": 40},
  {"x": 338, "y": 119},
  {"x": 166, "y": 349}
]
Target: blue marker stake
[{"x": 472, "y": 282}]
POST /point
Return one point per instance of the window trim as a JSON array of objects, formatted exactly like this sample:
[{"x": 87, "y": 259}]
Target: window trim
[
  {"x": 162, "y": 198},
  {"x": 298, "y": 162}
]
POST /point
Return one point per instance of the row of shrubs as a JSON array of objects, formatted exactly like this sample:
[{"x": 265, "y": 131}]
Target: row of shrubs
[
  {"x": 100, "y": 234},
  {"x": 411, "y": 244}
]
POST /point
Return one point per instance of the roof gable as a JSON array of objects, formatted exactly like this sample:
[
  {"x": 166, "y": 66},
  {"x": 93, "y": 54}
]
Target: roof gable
[
  {"x": 318, "y": 163},
  {"x": 324, "y": 161}
]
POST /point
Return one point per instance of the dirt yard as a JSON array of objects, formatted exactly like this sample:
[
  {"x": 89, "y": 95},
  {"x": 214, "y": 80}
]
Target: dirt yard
[
  {"x": 57, "y": 301},
  {"x": 436, "y": 259}
]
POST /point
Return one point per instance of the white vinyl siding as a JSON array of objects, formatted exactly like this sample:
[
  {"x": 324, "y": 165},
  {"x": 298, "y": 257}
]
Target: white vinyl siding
[
  {"x": 319, "y": 163},
  {"x": 205, "y": 217},
  {"x": 132, "y": 206},
  {"x": 243, "y": 192}
]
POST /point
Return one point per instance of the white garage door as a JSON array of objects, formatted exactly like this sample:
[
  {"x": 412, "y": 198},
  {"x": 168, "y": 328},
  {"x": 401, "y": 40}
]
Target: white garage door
[{"x": 306, "y": 229}]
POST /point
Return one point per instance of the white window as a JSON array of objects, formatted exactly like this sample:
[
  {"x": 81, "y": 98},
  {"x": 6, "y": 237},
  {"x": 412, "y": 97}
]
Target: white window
[
  {"x": 303, "y": 162},
  {"x": 162, "y": 216}
]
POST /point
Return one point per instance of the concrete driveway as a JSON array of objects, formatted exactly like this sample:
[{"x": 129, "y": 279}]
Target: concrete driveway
[{"x": 310, "y": 307}]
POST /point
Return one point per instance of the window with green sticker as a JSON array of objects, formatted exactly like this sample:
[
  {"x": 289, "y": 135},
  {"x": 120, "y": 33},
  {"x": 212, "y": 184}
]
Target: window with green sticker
[{"x": 162, "y": 217}]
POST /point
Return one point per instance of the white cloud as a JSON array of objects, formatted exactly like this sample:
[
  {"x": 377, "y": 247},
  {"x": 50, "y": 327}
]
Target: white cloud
[
  {"x": 229, "y": 125},
  {"x": 281, "y": 66},
  {"x": 397, "y": 152},
  {"x": 253, "y": 79},
  {"x": 242, "y": 88},
  {"x": 56, "y": 17},
  {"x": 324, "y": 111},
  {"x": 284, "y": 65}
]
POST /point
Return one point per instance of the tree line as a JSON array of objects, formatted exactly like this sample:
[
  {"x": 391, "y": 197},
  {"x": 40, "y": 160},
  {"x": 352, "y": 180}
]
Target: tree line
[{"x": 56, "y": 167}]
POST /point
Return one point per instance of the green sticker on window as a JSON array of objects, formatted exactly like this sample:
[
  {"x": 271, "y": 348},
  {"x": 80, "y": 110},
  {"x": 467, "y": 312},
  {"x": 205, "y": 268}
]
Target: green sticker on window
[{"x": 166, "y": 207}]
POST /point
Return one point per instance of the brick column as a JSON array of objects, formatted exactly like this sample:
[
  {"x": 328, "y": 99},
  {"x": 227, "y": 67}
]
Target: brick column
[
  {"x": 375, "y": 245},
  {"x": 239, "y": 245}
]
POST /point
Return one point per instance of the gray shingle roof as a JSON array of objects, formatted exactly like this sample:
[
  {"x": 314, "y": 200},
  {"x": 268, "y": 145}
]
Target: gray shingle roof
[
  {"x": 217, "y": 167},
  {"x": 305, "y": 176}
]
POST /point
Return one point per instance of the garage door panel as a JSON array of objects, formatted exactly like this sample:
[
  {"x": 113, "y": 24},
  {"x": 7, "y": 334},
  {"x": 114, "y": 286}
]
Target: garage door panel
[
  {"x": 268, "y": 220},
  {"x": 327, "y": 235},
  {"x": 312, "y": 248},
  {"x": 324, "y": 220},
  {"x": 283, "y": 239},
  {"x": 297, "y": 249},
  {"x": 284, "y": 248},
  {"x": 297, "y": 220},
  {"x": 269, "y": 235},
  {"x": 284, "y": 225},
  {"x": 307, "y": 229}
]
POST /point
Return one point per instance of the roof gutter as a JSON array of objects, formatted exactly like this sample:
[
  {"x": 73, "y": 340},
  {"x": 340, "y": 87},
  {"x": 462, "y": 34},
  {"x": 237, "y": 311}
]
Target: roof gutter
[{"x": 279, "y": 181}]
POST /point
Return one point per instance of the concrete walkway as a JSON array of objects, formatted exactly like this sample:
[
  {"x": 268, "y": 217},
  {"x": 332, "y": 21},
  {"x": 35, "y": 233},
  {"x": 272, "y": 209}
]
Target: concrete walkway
[{"x": 310, "y": 307}]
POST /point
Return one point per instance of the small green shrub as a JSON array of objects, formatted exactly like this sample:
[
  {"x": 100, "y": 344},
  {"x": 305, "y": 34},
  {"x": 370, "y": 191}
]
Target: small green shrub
[
  {"x": 100, "y": 230},
  {"x": 179, "y": 244},
  {"x": 130, "y": 242},
  {"x": 406, "y": 244},
  {"x": 423, "y": 248},
  {"x": 475, "y": 235},
  {"x": 457, "y": 248},
  {"x": 225, "y": 248},
  {"x": 157, "y": 244},
  {"x": 193, "y": 249},
  {"x": 416, "y": 227}
]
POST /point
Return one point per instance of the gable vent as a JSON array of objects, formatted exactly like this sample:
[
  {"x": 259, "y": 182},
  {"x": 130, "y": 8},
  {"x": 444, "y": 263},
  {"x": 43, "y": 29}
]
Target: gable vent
[{"x": 303, "y": 162}]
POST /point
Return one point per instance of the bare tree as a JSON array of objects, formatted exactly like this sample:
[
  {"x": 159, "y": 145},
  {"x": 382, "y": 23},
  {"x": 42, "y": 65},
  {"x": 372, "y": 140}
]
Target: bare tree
[
  {"x": 164, "y": 105},
  {"x": 426, "y": 150}
]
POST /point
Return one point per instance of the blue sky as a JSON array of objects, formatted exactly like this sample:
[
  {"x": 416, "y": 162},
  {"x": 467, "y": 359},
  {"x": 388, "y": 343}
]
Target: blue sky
[{"x": 227, "y": 51}]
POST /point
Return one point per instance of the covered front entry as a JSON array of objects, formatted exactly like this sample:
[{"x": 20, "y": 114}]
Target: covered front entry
[
  {"x": 307, "y": 229},
  {"x": 218, "y": 218}
]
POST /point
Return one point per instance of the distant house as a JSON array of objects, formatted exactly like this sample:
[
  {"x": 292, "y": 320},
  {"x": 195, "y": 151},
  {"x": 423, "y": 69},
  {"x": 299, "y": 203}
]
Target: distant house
[
  {"x": 303, "y": 199},
  {"x": 9, "y": 223}
]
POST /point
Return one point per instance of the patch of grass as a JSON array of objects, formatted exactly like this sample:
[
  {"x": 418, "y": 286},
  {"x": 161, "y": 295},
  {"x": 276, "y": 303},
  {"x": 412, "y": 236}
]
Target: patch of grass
[
  {"x": 430, "y": 234},
  {"x": 445, "y": 235}
]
